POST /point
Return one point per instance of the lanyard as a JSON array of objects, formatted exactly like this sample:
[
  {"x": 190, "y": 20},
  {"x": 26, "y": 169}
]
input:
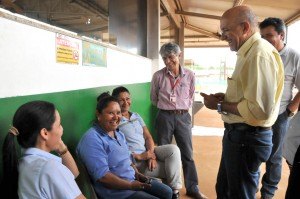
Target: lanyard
[{"x": 173, "y": 85}]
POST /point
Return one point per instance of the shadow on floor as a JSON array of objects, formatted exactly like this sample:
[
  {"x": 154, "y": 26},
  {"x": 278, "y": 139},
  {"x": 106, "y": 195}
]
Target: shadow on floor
[{"x": 207, "y": 154}]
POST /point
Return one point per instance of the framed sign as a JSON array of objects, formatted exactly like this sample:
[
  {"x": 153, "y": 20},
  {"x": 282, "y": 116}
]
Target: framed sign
[
  {"x": 93, "y": 55},
  {"x": 67, "y": 49}
]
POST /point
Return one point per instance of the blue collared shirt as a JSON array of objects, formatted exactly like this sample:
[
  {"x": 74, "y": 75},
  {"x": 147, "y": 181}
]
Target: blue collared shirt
[
  {"x": 42, "y": 175},
  {"x": 133, "y": 131},
  {"x": 101, "y": 154}
]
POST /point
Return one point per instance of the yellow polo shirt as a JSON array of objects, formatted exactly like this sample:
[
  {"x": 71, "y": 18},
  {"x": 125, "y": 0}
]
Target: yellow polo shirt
[{"x": 256, "y": 83}]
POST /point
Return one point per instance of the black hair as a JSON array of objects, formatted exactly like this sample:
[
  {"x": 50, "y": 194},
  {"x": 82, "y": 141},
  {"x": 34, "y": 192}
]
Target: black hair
[
  {"x": 277, "y": 23},
  {"x": 103, "y": 95},
  {"x": 116, "y": 92},
  {"x": 29, "y": 119},
  {"x": 103, "y": 100}
]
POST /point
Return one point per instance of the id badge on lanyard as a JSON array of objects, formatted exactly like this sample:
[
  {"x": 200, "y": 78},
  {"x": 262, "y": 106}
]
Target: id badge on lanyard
[{"x": 172, "y": 95}]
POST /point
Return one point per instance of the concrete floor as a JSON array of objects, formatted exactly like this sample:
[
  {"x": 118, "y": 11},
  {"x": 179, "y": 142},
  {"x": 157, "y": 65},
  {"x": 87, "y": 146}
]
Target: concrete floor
[{"x": 207, "y": 139}]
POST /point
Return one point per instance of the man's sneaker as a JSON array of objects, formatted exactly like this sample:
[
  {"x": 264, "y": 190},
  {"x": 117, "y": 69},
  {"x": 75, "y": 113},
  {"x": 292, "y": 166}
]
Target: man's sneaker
[{"x": 175, "y": 195}]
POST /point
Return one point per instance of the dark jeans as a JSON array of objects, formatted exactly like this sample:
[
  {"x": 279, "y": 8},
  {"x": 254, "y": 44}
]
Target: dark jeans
[
  {"x": 157, "y": 190},
  {"x": 244, "y": 149},
  {"x": 169, "y": 124},
  {"x": 272, "y": 176},
  {"x": 293, "y": 190}
]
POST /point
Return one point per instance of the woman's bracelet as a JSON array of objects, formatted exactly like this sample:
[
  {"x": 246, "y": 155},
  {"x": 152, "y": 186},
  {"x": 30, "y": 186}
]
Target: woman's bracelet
[{"x": 63, "y": 152}]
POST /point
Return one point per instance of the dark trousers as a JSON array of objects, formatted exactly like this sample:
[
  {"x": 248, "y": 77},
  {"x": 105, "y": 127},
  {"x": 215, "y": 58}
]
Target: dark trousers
[
  {"x": 293, "y": 190},
  {"x": 244, "y": 149},
  {"x": 168, "y": 124}
]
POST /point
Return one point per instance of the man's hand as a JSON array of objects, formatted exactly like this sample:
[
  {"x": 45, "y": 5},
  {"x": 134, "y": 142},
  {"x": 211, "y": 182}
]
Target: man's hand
[
  {"x": 295, "y": 103},
  {"x": 220, "y": 96},
  {"x": 152, "y": 164},
  {"x": 211, "y": 101},
  {"x": 137, "y": 185},
  {"x": 141, "y": 177}
]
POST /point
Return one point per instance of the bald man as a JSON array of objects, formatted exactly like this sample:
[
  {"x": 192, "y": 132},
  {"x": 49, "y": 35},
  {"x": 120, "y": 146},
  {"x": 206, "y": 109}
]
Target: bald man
[{"x": 249, "y": 107}]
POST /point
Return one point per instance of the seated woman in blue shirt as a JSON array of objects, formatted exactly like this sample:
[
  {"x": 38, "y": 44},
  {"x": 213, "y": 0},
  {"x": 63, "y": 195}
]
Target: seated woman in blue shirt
[
  {"x": 38, "y": 174},
  {"x": 104, "y": 152},
  {"x": 156, "y": 161}
]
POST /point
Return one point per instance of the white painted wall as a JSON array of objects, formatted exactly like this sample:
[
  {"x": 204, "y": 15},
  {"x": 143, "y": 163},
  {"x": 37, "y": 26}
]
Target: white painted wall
[{"x": 28, "y": 64}]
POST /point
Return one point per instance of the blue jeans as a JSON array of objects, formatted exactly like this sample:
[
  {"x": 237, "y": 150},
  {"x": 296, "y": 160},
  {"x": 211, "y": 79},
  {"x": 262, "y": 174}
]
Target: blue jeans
[
  {"x": 244, "y": 149},
  {"x": 157, "y": 190},
  {"x": 272, "y": 176}
]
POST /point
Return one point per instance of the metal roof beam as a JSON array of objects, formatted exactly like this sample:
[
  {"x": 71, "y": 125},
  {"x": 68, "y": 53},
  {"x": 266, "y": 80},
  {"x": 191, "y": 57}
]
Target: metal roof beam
[
  {"x": 197, "y": 15},
  {"x": 96, "y": 29},
  {"x": 209, "y": 41},
  {"x": 65, "y": 18},
  {"x": 164, "y": 14},
  {"x": 238, "y": 3},
  {"x": 202, "y": 31},
  {"x": 292, "y": 19},
  {"x": 170, "y": 8},
  {"x": 186, "y": 37},
  {"x": 206, "y": 46},
  {"x": 11, "y": 4},
  {"x": 91, "y": 7}
]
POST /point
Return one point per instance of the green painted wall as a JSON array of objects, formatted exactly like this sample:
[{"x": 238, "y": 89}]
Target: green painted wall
[{"x": 77, "y": 110}]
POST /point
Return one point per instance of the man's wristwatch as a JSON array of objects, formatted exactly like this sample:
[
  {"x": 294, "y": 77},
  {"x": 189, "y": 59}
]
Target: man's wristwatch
[
  {"x": 219, "y": 107},
  {"x": 289, "y": 112}
]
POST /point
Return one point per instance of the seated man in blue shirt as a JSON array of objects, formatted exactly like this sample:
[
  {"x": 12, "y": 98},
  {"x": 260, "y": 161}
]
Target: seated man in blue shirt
[{"x": 104, "y": 152}]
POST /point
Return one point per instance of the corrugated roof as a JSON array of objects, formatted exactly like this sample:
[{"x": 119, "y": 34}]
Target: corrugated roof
[{"x": 201, "y": 18}]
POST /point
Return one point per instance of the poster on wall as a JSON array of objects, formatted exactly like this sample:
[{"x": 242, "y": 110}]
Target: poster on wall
[
  {"x": 67, "y": 49},
  {"x": 93, "y": 55}
]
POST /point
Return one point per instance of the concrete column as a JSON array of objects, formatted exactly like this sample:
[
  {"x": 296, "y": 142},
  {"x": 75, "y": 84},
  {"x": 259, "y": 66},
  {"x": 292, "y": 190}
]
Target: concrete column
[
  {"x": 128, "y": 24},
  {"x": 153, "y": 32}
]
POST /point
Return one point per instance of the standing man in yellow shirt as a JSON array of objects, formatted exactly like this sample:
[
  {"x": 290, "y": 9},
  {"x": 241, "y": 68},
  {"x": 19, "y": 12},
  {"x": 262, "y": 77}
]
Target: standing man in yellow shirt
[{"x": 249, "y": 107}]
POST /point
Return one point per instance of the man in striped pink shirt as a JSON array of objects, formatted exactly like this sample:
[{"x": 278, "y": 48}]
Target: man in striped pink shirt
[{"x": 172, "y": 91}]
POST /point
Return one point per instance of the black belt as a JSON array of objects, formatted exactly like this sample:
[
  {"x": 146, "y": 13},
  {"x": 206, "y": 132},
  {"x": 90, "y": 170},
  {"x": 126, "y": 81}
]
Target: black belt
[
  {"x": 243, "y": 126},
  {"x": 177, "y": 111}
]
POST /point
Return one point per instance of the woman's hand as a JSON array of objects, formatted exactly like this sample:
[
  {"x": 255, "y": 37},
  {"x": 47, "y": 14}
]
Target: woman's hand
[
  {"x": 67, "y": 158},
  {"x": 62, "y": 148},
  {"x": 145, "y": 155},
  {"x": 152, "y": 164}
]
